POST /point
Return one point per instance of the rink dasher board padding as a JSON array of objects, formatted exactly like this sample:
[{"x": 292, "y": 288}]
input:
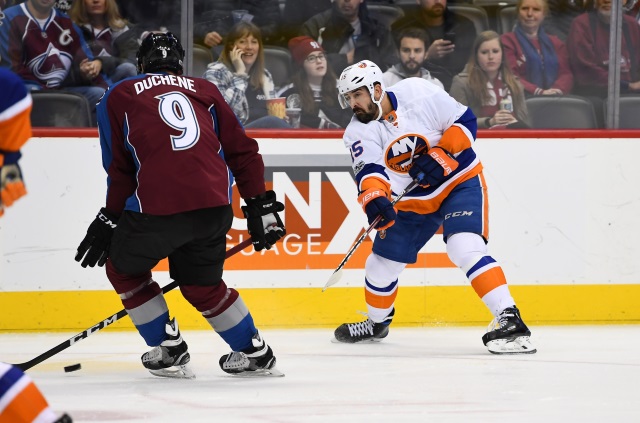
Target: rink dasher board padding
[{"x": 562, "y": 225}]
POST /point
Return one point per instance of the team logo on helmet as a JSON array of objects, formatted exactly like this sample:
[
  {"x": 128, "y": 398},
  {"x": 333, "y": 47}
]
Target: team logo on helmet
[
  {"x": 402, "y": 151},
  {"x": 362, "y": 65}
]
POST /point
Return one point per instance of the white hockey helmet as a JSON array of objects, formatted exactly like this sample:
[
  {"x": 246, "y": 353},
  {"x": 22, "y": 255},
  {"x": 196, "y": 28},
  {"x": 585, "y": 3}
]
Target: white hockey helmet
[{"x": 362, "y": 74}]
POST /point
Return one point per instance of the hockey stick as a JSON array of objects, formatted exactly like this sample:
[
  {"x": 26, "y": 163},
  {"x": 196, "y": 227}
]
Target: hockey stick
[
  {"x": 109, "y": 320},
  {"x": 337, "y": 274}
]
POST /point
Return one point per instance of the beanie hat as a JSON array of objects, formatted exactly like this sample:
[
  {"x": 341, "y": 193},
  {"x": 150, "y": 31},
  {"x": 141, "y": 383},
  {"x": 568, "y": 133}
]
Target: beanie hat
[{"x": 300, "y": 48}]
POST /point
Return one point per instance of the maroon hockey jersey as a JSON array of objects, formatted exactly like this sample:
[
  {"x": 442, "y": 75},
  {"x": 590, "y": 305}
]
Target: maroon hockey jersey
[{"x": 169, "y": 145}]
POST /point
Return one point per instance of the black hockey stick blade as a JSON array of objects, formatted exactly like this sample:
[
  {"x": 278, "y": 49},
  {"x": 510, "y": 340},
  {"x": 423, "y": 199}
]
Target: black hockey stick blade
[{"x": 106, "y": 322}]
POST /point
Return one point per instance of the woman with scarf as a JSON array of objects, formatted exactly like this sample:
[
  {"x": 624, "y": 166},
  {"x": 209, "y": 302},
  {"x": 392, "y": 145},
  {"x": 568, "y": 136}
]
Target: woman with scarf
[{"x": 539, "y": 60}]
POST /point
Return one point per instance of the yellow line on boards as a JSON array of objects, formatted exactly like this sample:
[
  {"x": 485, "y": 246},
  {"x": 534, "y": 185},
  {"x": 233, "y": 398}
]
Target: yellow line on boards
[{"x": 309, "y": 307}]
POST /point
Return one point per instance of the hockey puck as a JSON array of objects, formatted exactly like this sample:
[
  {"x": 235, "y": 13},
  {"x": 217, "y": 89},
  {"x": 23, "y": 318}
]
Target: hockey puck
[{"x": 72, "y": 368}]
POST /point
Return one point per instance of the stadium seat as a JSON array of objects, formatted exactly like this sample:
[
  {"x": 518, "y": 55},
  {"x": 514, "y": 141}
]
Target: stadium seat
[
  {"x": 628, "y": 112},
  {"x": 277, "y": 60},
  {"x": 476, "y": 14},
  {"x": 490, "y": 3},
  {"x": 506, "y": 19},
  {"x": 201, "y": 58},
  {"x": 561, "y": 112},
  {"x": 60, "y": 109},
  {"x": 386, "y": 14}
]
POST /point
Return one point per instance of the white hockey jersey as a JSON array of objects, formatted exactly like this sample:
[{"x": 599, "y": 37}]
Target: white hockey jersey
[{"x": 423, "y": 116}]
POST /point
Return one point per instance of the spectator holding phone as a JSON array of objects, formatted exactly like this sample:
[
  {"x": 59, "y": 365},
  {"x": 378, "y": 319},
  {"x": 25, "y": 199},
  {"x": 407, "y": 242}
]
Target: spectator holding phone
[
  {"x": 452, "y": 36},
  {"x": 243, "y": 80},
  {"x": 412, "y": 46}
]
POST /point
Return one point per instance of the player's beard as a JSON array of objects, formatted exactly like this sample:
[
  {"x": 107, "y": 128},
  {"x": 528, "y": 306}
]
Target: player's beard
[{"x": 366, "y": 116}]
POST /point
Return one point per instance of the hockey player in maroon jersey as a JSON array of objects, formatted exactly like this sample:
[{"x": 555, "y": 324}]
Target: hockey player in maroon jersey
[{"x": 171, "y": 147}]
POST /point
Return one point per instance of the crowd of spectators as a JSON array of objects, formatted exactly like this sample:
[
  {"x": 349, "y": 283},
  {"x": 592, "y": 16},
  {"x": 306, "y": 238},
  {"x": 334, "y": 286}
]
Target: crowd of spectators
[{"x": 555, "y": 48}]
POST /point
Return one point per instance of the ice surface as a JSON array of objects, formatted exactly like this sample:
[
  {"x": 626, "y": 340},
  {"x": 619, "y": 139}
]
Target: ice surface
[{"x": 434, "y": 374}]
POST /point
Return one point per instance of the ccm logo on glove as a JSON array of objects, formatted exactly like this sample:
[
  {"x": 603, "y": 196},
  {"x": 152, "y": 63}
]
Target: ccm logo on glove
[{"x": 106, "y": 220}]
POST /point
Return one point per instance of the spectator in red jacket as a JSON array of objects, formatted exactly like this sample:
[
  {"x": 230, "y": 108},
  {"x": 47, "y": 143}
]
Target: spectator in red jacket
[
  {"x": 588, "y": 46},
  {"x": 538, "y": 59}
]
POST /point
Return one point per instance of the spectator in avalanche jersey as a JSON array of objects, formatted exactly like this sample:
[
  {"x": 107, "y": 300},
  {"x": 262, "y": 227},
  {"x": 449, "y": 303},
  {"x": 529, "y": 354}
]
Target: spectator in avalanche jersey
[
  {"x": 45, "y": 48},
  {"x": 108, "y": 35}
]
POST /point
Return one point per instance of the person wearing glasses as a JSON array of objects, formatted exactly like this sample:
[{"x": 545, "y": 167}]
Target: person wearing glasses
[{"x": 313, "y": 87}]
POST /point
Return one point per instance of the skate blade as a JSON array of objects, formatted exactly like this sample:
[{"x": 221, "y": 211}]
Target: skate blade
[
  {"x": 519, "y": 345},
  {"x": 175, "y": 372},
  {"x": 272, "y": 372},
  {"x": 335, "y": 340}
]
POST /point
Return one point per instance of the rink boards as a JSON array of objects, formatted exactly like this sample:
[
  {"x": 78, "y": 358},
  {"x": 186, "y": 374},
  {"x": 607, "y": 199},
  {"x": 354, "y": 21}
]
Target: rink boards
[{"x": 563, "y": 225}]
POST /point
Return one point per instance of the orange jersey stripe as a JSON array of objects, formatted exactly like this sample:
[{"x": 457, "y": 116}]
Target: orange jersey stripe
[
  {"x": 432, "y": 204},
  {"x": 15, "y": 131},
  {"x": 488, "y": 281},
  {"x": 25, "y": 407},
  {"x": 454, "y": 140},
  {"x": 380, "y": 301},
  {"x": 373, "y": 182},
  {"x": 485, "y": 207}
]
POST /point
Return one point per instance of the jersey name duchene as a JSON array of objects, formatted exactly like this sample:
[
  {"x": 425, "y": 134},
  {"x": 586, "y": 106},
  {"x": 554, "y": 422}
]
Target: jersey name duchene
[{"x": 155, "y": 80}]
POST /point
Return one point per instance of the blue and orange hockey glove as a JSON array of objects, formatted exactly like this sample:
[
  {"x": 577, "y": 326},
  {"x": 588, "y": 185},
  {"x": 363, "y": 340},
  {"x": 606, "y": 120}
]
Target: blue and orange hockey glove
[
  {"x": 11, "y": 183},
  {"x": 374, "y": 202}
]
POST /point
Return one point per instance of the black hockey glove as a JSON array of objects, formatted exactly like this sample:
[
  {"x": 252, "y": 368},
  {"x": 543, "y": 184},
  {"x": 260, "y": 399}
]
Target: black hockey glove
[
  {"x": 263, "y": 222},
  {"x": 98, "y": 239},
  {"x": 436, "y": 165}
]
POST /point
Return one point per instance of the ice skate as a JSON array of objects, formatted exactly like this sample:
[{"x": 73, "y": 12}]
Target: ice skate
[
  {"x": 170, "y": 358},
  {"x": 257, "y": 360},
  {"x": 367, "y": 331},
  {"x": 507, "y": 334}
]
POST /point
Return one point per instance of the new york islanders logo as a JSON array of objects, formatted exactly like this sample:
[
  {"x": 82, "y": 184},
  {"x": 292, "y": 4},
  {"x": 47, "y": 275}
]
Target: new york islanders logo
[{"x": 401, "y": 152}]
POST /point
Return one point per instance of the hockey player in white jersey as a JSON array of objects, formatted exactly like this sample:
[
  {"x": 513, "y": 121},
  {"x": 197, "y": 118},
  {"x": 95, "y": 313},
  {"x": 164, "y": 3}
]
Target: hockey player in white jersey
[{"x": 417, "y": 131}]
